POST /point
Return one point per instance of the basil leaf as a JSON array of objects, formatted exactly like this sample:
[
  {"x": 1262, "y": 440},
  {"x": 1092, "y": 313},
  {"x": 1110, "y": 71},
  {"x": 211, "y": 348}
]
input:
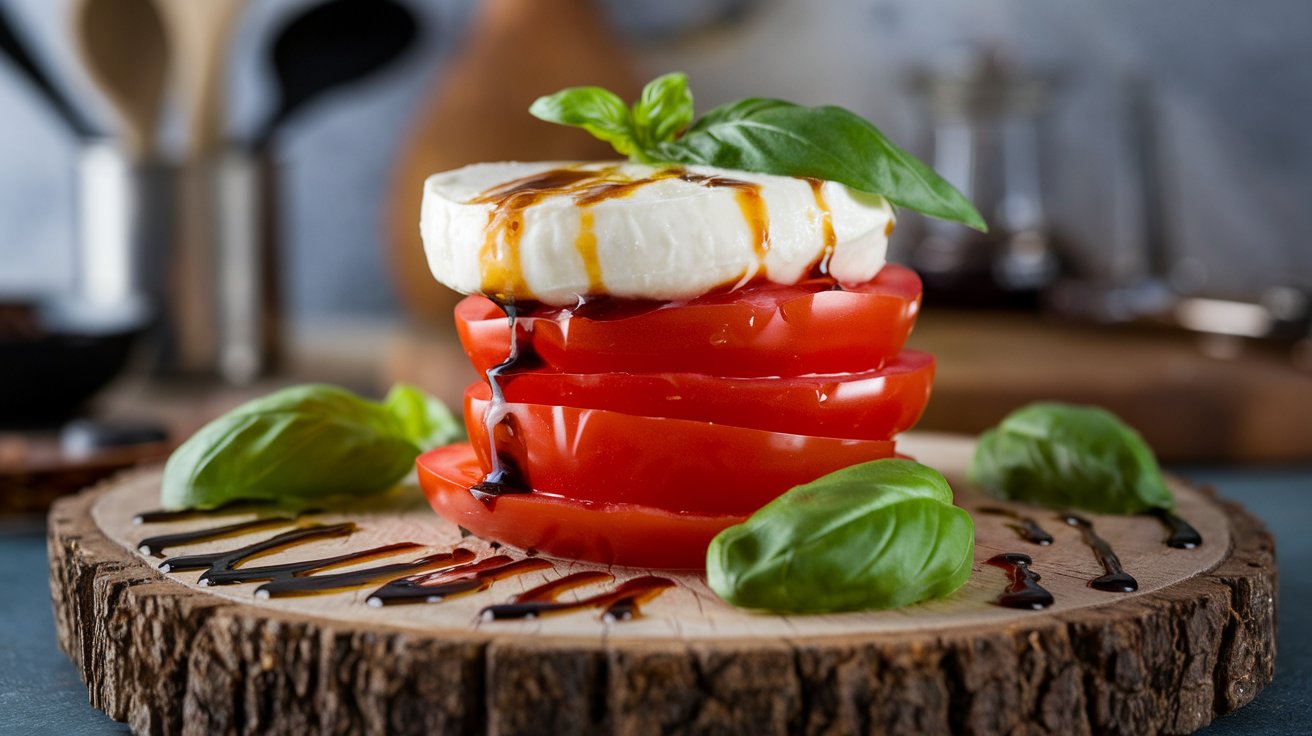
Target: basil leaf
[
  {"x": 761, "y": 135},
  {"x": 664, "y": 109},
  {"x": 830, "y": 143},
  {"x": 425, "y": 421},
  {"x": 598, "y": 111},
  {"x": 1064, "y": 456},
  {"x": 882, "y": 534},
  {"x": 303, "y": 444}
]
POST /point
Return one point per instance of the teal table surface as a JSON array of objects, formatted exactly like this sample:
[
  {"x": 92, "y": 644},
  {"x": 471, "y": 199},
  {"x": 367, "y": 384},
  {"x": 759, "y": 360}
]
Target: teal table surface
[{"x": 40, "y": 692}]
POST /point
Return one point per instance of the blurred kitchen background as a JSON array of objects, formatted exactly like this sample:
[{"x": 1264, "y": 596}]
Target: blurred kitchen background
[{"x": 1146, "y": 168}]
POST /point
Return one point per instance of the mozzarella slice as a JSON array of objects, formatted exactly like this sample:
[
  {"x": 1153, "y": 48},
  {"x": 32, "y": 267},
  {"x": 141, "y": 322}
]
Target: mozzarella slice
[{"x": 557, "y": 232}]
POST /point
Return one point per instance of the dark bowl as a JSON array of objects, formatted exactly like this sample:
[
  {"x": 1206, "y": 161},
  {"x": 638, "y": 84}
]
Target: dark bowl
[{"x": 56, "y": 354}]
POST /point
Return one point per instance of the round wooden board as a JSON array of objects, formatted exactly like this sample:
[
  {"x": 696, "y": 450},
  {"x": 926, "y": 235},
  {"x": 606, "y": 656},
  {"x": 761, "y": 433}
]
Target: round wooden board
[{"x": 170, "y": 656}]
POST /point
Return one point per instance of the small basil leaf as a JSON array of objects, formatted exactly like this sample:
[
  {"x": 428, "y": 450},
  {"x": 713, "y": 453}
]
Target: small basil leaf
[
  {"x": 882, "y": 534},
  {"x": 598, "y": 111},
  {"x": 298, "y": 446},
  {"x": 425, "y": 421},
  {"x": 1064, "y": 456},
  {"x": 830, "y": 143},
  {"x": 664, "y": 109}
]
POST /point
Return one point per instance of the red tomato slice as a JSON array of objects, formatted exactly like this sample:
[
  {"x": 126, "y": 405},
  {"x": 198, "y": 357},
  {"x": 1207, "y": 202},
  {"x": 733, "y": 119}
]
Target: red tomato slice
[
  {"x": 593, "y": 456},
  {"x": 765, "y": 329},
  {"x": 870, "y": 406},
  {"x": 617, "y": 534}
]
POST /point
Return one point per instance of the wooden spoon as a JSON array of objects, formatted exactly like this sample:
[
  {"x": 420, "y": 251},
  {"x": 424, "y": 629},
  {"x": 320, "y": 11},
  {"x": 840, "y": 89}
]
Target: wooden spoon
[
  {"x": 199, "y": 32},
  {"x": 125, "y": 51}
]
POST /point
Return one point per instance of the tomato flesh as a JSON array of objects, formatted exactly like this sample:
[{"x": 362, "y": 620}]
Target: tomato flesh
[
  {"x": 594, "y": 456},
  {"x": 874, "y": 405},
  {"x": 765, "y": 330},
  {"x": 613, "y": 534},
  {"x": 643, "y": 429}
]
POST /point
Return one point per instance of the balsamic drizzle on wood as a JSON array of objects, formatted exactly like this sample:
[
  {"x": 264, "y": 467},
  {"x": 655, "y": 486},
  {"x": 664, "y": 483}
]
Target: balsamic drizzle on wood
[
  {"x": 1024, "y": 590},
  {"x": 218, "y": 561},
  {"x": 1025, "y": 527},
  {"x": 465, "y": 579},
  {"x": 431, "y": 578},
  {"x": 620, "y": 604},
  {"x": 358, "y": 578},
  {"x": 156, "y": 545},
  {"x": 235, "y": 507},
  {"x": 1180, "y": 533},
  {"x": 295, "y": 569},
  {"x": 1114, "y": 578}
]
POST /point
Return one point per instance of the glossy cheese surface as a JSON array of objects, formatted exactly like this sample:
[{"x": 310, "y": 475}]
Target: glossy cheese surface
[{"x": 556, "y": 232}]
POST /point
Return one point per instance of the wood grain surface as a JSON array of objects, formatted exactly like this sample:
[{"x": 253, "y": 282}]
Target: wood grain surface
[{"x": 169, "y": 656}]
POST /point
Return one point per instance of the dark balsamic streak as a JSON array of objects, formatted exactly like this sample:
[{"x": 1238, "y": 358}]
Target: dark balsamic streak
[
  {"x": 1024, "y": 590},
  {"x": 1115, "y": 579},
  {"x": 440, "y": 586},
  {"x": 296, "y": 569},
  {"x": 549, "y": 591},
  {"x": 620, "y": 604},
  {"x": 503, "y": 476},
  {"x": 156, "y": 545},
  {"x": 1026, "y": 528},
  {"x": 624, "y": 609},
  {"x": 217, "y": 561},
  {"x": 235, "y": 507},
  {"x": 1181, "y": 534},
  {"x": 359, "y": 578}
]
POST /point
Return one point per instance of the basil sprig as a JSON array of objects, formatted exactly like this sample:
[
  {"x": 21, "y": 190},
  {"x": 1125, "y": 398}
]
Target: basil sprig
[
  {"x": 761, "y": 135},
  {"x": 882, "y": 534},
  {"x": 1064, "y": 456},
  {"x": 303, "y": 444}
]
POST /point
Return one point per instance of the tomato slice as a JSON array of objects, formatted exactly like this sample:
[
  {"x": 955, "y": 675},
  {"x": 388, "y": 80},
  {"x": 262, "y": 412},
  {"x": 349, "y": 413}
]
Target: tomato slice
[
  {"x": 594, "y": 456},
  {"x": 616, "y": 534},
  {"x": 765, "y": 329},
  {"x": 873, "y": 406}
]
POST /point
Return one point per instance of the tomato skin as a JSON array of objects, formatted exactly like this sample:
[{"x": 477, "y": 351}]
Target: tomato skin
[
  {"x": 615, "y": 534},
  {"x": 594, "y": 456},
  {"x": 870, "y": 406},
  {"x": 764, "y": 330}
]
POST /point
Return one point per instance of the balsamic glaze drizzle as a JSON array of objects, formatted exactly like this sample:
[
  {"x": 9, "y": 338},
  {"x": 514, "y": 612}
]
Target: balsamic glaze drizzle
[
  {"x": 218, "y": 561},
  {"x": 1025, "y": 527},
  {"x": 470, "y": 578},
  {"x": 359, "y": 578},
  {"x": 156, "y": 545},
  {"x": 1114, "y": 579},
  {"x": 503, "y": 476},
  {"x": 295, "y": 569},
  {"x": 620, "y": 604},
  {"x": 1181, "y": 534},
  {"x": 431, "y": 578},
  {"x": 235, "y": 507},
  {"x": 1024, "y": 590}
]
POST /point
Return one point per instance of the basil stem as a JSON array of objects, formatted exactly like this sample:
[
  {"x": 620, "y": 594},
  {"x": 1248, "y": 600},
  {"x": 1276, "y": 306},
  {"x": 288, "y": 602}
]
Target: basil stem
[{"x": 760, "y": 135}]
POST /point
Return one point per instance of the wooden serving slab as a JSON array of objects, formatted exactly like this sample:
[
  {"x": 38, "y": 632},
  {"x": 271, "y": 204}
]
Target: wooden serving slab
[{"x": 169, "y": 656}]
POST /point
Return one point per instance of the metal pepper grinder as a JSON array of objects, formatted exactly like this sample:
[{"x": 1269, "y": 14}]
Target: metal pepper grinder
[
  {"x": 195, "y": 246},
  {"x": 222, "y": 302},
  {"x": 985, "y": 120}
]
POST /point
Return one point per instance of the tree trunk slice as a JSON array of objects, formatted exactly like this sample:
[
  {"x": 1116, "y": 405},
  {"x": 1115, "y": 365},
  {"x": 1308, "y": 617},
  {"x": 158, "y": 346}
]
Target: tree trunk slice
[{"x": 169, "y": 656}]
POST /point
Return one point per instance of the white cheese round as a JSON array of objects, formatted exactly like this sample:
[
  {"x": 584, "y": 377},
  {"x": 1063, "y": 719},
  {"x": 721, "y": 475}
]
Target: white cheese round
[{"x": 559, "y": 231}]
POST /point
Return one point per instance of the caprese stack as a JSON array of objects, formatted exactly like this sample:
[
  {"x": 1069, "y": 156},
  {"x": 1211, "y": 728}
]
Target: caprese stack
[{"x": 688, "y": 343}]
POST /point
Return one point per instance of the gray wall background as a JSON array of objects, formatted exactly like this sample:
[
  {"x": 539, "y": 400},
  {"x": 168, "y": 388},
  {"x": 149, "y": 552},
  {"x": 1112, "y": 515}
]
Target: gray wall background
[{"x": 1234, "y": 80}]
